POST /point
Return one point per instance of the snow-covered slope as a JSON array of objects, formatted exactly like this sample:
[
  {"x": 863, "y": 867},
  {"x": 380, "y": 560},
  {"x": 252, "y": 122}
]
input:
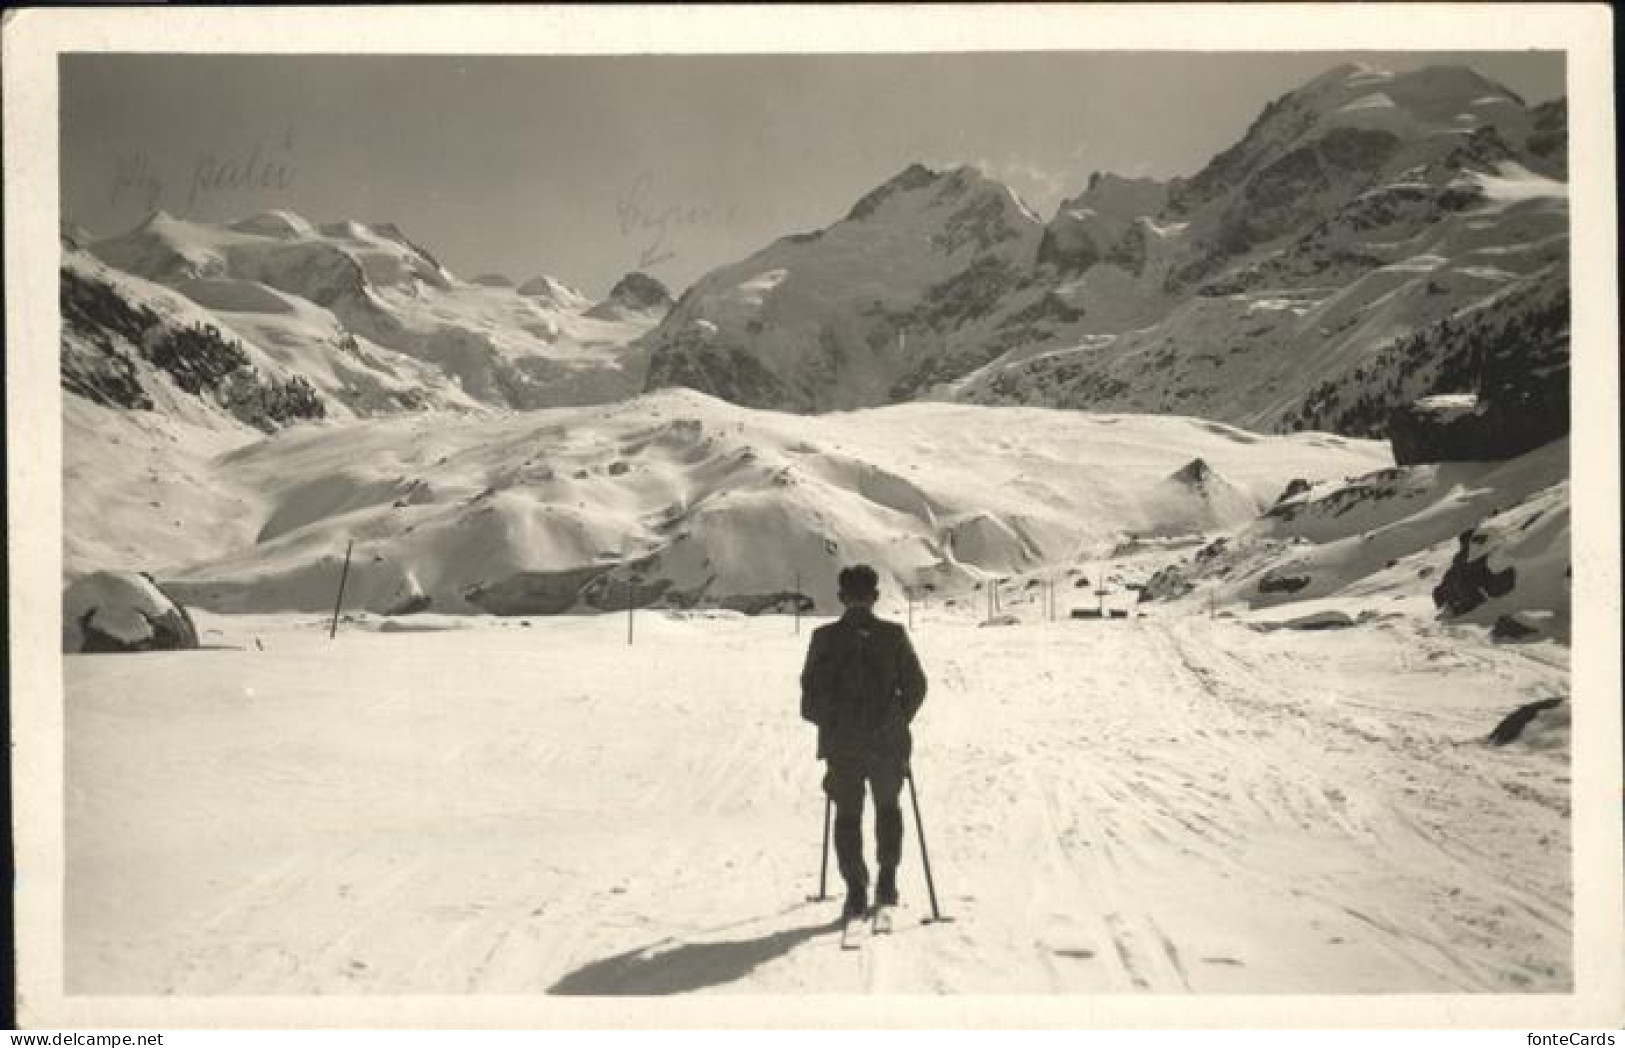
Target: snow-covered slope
[
  {"x": 1468, "y": 541},
  {"x": 1165, "y": 805},
  {"x": 218, "y": 351},
  {"x": 1357, "y": 211},
  {"x": 352, "y": 306},
  {"x": 712, "y": 504}
]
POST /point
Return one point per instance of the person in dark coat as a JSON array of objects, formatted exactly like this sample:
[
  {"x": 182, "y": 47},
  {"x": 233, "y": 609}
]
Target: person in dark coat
[{"x": 862, "y": 685}]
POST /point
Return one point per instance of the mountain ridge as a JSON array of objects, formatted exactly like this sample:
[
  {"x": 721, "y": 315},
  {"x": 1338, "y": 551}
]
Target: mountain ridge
[{"x": 1358, "y": 209}]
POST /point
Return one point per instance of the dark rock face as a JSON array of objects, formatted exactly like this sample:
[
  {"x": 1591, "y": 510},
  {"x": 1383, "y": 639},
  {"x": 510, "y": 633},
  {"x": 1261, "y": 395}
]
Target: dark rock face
[
  {"x": 1513, "y": 627},
  {"x": 633, "y": 293},
  {"x": 412, "y": 605},
  {"x": 1067, "y": 245},
  {"x": 1282, "y": 583},
  {"x": 764, "y": 603},
  {"x": 1320, "y": 620},
  {"x": 980, "y": 222},
  {"x": 915, "y": 176},
  {"x": 730, "y": 372},
  {"x": 1170, "y": 583},
  {"x": 532, "y": 592},
  {"x": 1550, "y": 138},
  {"x": 1520, "y": 415},
  {"x": 1294, "y": 487},
  {"x": 171, "y": 631},
  {"x": 1194, "y": 472},
  {"x": 1469, "y": 581},
  {"x": 1515, "y": 722},
  {"x": 1423, "y": 432}
]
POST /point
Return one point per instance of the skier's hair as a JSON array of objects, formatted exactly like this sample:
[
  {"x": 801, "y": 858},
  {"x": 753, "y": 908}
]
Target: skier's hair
[{"x": 860, "y": 581}]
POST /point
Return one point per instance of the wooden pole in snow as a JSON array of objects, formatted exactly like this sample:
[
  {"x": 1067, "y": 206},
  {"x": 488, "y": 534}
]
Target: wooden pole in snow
[
  {"x": 631, "y": 606},
  {"x": 338, "y": 603}
]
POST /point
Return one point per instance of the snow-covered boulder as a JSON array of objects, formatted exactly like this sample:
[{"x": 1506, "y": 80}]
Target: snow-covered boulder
[{"x": 113, "y": 611}]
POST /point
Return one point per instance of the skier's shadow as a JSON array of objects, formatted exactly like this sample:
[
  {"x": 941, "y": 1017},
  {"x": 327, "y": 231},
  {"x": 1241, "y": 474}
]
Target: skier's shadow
[{"x": 684, "y": 968}]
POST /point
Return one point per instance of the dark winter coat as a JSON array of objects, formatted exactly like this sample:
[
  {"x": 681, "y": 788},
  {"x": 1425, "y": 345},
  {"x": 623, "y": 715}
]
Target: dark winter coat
[{"x": 862, "y": 685}]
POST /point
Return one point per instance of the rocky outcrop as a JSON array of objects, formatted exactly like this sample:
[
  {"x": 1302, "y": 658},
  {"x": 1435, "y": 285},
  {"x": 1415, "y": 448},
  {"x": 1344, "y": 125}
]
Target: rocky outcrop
[
  {"x": 782, "y": 603},
  {"x": 1514, "y": 627},
  {"x": 1531, "y": 720},
  {"x": 110, "y": 336},
  {"x": 1169, "y": 583},
  {"x": 1294, "y": 487},
  {"x": 532, "y": 592},
  {"x": 633, "y": 293},
  {"x": 1470, "y": 581},
  {"x": 1440, "y": 429}
]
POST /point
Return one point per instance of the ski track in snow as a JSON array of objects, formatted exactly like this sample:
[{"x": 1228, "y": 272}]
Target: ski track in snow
[{"x": 1166, "y": 804}]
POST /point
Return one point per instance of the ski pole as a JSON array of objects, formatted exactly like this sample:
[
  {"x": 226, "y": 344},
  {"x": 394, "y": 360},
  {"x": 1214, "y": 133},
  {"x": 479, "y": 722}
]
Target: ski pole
[
  {"x": 925, "y": 856},
  {"x": 823, "y": 865}
]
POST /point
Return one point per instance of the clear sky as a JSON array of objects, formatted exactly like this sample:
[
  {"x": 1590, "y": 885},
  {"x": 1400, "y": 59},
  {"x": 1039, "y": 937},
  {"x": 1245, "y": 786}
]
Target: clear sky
[{"x": 587, "y": 167}]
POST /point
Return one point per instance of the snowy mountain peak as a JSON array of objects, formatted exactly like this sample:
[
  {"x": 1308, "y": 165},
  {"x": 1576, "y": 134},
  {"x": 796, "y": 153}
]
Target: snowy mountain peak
[
  {"x": 861, "y": 312},
  {"x": 1099, "y": 224},
  {"x": 390, "y": 231},
  {"x": 915, "y": 176},
  {"x": 366, "y": 316},
  {"x": 279, "y": 223},
  {"x": 159, "y": 219},
  {"x": 1120, "y": 195}
]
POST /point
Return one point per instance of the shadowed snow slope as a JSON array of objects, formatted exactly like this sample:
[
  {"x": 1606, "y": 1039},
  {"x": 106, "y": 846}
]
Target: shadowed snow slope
[{"x": 708, "y": 502}]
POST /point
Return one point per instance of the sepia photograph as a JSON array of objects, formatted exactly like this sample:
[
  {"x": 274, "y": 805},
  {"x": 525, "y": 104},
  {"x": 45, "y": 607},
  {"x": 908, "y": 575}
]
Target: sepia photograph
[{"x": 1054, "y": 522}]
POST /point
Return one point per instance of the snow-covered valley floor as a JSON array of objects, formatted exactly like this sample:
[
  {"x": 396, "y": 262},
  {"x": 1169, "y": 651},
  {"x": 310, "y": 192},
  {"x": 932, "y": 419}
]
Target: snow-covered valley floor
[{"x": 1169, "y": 804}]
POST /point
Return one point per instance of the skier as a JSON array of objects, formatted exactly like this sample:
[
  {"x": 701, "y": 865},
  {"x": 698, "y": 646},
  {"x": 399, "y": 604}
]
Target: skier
[{"x": 862, "y": 685}]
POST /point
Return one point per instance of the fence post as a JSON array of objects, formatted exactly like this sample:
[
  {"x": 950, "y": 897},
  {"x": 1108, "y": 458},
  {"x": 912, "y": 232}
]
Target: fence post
[{"x": 338, "y": 603}]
